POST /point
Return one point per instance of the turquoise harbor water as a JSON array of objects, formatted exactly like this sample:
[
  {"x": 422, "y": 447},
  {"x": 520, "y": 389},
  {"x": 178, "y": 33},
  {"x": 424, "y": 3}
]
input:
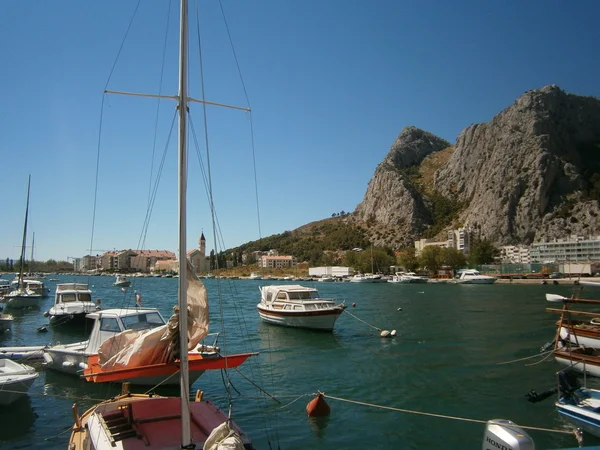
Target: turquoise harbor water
[{"x": 444, "y": 361}]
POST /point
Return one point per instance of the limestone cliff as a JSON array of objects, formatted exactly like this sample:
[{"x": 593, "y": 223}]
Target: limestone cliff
[
  {"x": 531, "y": 173},
  {"x": 393, "y": 209},
  {"x": 527, "y": 174}
]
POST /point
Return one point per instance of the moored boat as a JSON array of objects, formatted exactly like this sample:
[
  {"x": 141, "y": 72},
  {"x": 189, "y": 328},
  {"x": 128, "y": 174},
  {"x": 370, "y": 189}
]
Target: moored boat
[
  {"x": 15, "y": 380},
  {"x": 298, "y": 306},
  {"x": 122, "y": 281},
  {"x": 72, "y": 303},
  {"x": 472, "y": 276}
]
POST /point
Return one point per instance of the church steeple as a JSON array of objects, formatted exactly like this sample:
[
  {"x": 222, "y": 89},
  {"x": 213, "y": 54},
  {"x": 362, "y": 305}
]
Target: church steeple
[{"x": 202, "y": 244}]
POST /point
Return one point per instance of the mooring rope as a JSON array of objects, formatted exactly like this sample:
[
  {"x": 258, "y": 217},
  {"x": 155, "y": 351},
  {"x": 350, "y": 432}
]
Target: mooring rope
[
  {"x": 360, "y": 320},
  {"x": 440, "y": 416},
  {"x": 527, "y": 357}
]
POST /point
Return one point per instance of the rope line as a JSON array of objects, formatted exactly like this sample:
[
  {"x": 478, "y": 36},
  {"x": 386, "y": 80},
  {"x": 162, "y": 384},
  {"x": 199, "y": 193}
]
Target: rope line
[
  {"x": 360, "y": 320},
  {"x": 440, "y": 416},
  {"x": 527, "y": 357}
]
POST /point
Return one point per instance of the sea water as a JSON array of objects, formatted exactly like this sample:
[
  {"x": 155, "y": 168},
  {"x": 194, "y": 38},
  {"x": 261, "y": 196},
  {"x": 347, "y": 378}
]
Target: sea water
[{"x": 458, "y": 360}]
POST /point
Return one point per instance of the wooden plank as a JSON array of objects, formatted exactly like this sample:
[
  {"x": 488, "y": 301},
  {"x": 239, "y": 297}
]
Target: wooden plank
[{"x": 575, "y": 313}]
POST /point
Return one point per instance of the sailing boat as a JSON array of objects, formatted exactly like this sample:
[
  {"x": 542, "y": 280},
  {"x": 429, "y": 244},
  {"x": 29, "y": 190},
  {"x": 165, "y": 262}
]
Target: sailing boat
[
  {"x": 150, "y": 421},
  {"x": 23, "y": 296}
]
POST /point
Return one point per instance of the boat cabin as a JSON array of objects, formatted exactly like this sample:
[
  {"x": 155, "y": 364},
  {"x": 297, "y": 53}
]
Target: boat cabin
[
  {"x": 109, "y": 322},
  {"x": 72, "y": 292},
  {"x": 294, "y": 297}
]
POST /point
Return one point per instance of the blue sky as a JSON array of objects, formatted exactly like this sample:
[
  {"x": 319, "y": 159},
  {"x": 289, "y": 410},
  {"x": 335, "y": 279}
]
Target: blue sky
[{"x": 331, "y": 84}]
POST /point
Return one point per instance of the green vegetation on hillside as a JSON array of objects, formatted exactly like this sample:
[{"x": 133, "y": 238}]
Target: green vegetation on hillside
[{"x": 316, "y": 244}]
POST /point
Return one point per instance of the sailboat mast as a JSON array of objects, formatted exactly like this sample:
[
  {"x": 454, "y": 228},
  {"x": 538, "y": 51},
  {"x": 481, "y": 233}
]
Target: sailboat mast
[
  {"x": 183, "y": 322},
  {"x": 23, "y": 245}
]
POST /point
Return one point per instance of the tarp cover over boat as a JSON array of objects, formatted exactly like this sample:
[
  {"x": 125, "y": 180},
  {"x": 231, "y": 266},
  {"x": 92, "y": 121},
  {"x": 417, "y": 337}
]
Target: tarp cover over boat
[{"x": 133, "y": 348}]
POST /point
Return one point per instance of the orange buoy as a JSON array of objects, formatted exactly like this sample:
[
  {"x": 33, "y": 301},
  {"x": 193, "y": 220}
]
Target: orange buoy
[{"x": 318, "y": 407}]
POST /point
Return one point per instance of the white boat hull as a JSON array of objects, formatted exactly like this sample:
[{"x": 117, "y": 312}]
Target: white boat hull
[
  {"x": 23, "y": 301},
  {"x": 22, "y": 353},
  {"x": 5, "y": 324},
  {"x": 589, "y": 368},
  {"x": 583, "y": 413},
  {"x": 15, "y": 381},
  {"x": 325, "y": 321}
]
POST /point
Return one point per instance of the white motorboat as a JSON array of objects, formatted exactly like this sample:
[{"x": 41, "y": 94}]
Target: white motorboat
[
  {"x": 15, "y": 380},
  {"x": 408, "y": 277},
  {"x": 72, "y": 303},
  {"x": 255, "y": 276},
  {"x": 32, "y": 353},
  {"x": 298, "y": 306},
  {"x": 365, "y": 278},
  {"x": 122, "y": 281},
  {"x": 472, "y": 276},
  {"x": 73, "y": 358}
]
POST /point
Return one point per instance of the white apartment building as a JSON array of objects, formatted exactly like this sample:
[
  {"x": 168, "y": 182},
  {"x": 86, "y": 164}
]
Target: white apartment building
[
  {"x": 573, "y": 248},
  {"x": 276, "y": 262},
  {"x": 517, "y": 254},
  {"x": 459, "y": 239}
]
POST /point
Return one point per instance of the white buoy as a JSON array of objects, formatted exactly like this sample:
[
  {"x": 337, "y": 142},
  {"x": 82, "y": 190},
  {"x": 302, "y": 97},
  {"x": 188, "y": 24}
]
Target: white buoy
[
  {"x": 393, "y": 333},
  {"x": 384, "y": 333},
  {"x": 399, "y": 309}
]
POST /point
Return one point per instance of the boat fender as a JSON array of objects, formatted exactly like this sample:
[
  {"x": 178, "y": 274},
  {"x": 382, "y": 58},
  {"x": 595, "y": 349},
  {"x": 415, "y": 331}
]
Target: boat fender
[
  {"x": 46, "y": 313},
  {"x": 318, "y": 407},
  {"x": 67, "y": 364},
  {"x": 595, "y": 321},
  {"x": 83, "y": 366},
  {"x": 47, "y": 358}
]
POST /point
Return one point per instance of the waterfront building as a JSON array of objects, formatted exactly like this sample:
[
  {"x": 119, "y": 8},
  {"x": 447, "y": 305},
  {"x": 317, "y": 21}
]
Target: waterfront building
[
  {"x": 573, "y": 249},
  {"x": 517, "y": 254},
  {"x": 276, "y": 262},
  {"x": 331, "y": 271},
  {"x": 422, "y": 243}
]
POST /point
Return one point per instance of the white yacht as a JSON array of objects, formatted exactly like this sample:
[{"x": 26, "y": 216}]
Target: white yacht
[
  {"x": 408, "y": 277},
  {"x": 298, "y": 306},
  {"x": 365, "y": 278},
  {"x": 255, "y": 276},
  {"x": 472, "y": 276},
  {"x": 15, "y": 380}
]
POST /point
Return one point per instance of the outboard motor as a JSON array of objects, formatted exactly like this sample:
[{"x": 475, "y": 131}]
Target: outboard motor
[{"x": 503, "y": 434}]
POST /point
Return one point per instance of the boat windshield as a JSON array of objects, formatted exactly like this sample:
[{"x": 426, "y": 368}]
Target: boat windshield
[
  {"x": 143, "y": 321},
  {"x": 301, "y": 295}
]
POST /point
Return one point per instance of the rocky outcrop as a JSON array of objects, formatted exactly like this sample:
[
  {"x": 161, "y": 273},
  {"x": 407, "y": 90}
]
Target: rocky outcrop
[
  {"x": 391, "y": 202},
  {"x": 517, "y": 172},
  {"x": 531, "y": 173}
]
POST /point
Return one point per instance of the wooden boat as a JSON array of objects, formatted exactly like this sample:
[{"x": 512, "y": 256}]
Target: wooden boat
[
  {"x": 15, "y": 380},
  {"x": 298, "y": 306},
  {"x": 578, "y": 332},
  {"x": 150, "y": 421}
]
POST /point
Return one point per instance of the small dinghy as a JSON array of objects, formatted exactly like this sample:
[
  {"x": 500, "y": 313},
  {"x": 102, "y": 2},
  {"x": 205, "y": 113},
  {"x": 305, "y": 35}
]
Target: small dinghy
[{"x": 15, "y": 380}]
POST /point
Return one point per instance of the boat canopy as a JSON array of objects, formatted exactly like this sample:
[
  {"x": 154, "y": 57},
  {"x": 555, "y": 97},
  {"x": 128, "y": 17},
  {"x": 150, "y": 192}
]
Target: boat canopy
[{"x": 135, "y": 348}]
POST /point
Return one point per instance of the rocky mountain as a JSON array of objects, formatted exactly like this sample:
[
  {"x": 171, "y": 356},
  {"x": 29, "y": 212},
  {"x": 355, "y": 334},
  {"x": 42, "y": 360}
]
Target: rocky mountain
[{"x": 531, "y": 173}]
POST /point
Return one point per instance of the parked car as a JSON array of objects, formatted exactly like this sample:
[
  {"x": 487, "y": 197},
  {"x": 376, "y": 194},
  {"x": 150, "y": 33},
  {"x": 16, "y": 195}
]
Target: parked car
[{"x": 556, "y": 275}]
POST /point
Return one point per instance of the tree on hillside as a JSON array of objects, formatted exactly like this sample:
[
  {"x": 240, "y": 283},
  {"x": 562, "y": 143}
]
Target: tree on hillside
[
  {"x": 453, "y": 258},
  {"x": 407, "y": 258},
  {"x": 483, "y": 252},
  {"x": 431, "y": 258}
]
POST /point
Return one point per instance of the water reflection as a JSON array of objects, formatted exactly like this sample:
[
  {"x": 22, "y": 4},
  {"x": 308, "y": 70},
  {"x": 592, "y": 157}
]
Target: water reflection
[{"x": 17, "y": 419}]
